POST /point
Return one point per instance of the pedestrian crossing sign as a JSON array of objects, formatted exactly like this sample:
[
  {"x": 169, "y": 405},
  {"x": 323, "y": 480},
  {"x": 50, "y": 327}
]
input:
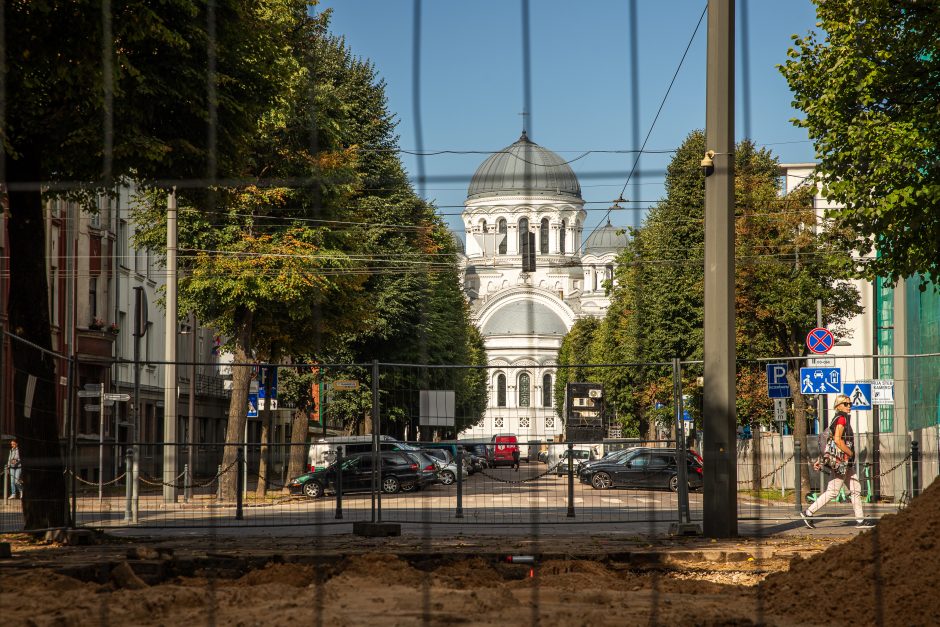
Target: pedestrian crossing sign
[{"x": 860, "y": 393}]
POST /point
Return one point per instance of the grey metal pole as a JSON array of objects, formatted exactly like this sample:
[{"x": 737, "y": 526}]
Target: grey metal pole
[
  {"x": 100, "y": 443},
  {"x": 190, "y": 457},
  {"x": 720, "y": 496},
  {"x": 570, "y": 480},
  {"x": 682, "y": 454},
  {"x": 170, "y": 439},
  {"x": 915, "y": 468},
  {"x": 339, "y": 482},
  {"x": 140, "y": 329},
  {"x": 239, "y": 484},
  {"x": 797, "y": 475},
  {"x": 459, "y": 513},
  {"x": 376, "y": 448}
]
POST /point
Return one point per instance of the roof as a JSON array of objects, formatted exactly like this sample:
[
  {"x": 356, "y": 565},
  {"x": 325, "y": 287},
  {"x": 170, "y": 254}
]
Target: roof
[
  {"x": 524, "y": 318},
  {"x": 606, "y": 239},
  {"x": 524, "y": 168}
]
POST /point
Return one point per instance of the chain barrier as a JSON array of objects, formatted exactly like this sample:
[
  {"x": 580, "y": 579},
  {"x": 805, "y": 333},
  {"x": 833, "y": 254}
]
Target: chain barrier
[
  {"x": 895, "y": 467},
  {"x": 774, "y": 471},
  {"x": 526, "y": 479},
  {"x": 183, "y": 486},
  {"x": 95, "y": 483}
]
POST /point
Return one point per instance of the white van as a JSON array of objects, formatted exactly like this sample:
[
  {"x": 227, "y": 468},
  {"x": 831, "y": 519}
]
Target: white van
[
  {"x": 558, "y": 453},
  {"x": 322, "y": 452}
]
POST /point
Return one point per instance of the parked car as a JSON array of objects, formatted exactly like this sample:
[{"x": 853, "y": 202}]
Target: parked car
[
  {"x": 398, "y": 471},
  {"x": 446, "y": 466},
  {"x": 323, "y": 451},
  {"x": 580, "y": 456},
  {"x": 642, "y": 468},
  {"x": 427, "y": 468},
  {"x": 452, "y": 449},
  {"x": 482, "y": 449}
]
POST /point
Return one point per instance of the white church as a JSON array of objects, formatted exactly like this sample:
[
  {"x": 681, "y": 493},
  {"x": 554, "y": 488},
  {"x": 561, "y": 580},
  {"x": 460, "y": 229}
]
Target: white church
[{"x": 523, "y": 316}]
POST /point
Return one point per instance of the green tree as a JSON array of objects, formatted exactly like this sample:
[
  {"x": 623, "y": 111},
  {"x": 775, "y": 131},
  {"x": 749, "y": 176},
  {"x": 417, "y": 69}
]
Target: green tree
[
  {"x": 101, "y": 94},
  {"x": 868, "y": 89}
]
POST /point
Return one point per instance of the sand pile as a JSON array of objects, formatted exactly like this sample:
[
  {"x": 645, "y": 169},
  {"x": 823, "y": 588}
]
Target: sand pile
[{"x": 886, "y": 576}]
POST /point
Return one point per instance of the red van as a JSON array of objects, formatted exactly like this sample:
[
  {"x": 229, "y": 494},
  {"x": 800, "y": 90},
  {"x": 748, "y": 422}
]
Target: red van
[{"x": 504, "y": 444}]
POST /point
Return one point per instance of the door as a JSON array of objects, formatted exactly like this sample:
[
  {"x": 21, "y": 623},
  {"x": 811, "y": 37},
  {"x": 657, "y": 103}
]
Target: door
[
  {"x": 661, "y": 468},
  {"x": 357, "y": 476},
  {"x": 632, "y": 470}
]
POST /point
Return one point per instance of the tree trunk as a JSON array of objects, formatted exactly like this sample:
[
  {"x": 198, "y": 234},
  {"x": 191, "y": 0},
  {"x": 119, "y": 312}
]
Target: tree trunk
[
  {"x": 263, "y": 455},
  {"x": 756, "y": 453},
  {"x": 799, "y": 424},
  {"x": 237, "y": 411},
  {"x": 45, "y": 495},
  {"x": 298, "y": 437}
]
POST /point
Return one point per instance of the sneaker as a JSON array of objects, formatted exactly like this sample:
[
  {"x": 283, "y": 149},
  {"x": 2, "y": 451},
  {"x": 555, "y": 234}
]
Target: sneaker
[
  {"x": 807, "y": 519},
  {"x": 864, "y": 524}
]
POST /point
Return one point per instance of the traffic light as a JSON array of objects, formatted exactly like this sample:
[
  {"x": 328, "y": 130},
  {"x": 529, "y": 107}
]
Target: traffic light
[{"x": 528, "y": 252}]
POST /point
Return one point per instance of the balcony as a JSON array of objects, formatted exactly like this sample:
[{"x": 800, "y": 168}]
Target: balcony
[{"x": 95, "y": 346}]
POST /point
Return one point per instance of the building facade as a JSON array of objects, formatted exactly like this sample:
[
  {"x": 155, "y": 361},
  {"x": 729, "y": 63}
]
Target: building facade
[{"x": 521, "y": 196}]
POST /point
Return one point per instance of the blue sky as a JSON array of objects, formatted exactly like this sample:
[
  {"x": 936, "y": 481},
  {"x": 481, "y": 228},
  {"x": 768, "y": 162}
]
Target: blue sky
[{"x": 472, "y": 85}]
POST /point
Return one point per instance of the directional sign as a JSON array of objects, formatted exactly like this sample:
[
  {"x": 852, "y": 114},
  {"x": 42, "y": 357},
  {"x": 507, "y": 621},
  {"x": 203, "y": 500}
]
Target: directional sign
[
  {"x": 819, "y": 340},
  {"x": 345, "y": 384},
  {"x": 88, "y": 394},
  {"x": 882, "y": 392},
  {"x": 820, "y": 380},
  {"x": 777, "y": 386},
  {"x": 860, "y": 393},
  {"x": 117, "y": 397},
  {"x": 252, "y": 405}
]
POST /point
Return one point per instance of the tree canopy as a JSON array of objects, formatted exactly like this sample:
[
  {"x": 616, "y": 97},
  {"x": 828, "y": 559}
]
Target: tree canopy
[{"x": 868, "y": 89}]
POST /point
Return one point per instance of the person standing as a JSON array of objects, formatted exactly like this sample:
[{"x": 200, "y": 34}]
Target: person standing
[
  {"x": 515, "y": 457},
  {"x": 16, "y": 467},
  {"x": 843, "y": 438}
]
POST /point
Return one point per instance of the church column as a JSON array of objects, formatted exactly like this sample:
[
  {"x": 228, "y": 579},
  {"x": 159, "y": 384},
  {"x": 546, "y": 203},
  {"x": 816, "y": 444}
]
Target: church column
[{"x": 554, "y": 229}]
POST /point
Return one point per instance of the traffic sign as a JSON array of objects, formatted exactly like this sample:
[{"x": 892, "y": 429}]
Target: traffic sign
[
  {"x": 97, "y": 408},
  {"x": 777, "y": 385},
  {"x": 252, "y": 406},
  {"x": 822, "y": 362},
  {"x": 882, "y": 392},
  {"x": 860, "y": 393},
  {"x": 819, "y": 340},
  {"x": 820, "y": 380},
  {"x": 345, "y": 384},
  {"x": 88, "y": 394},
  {"x": 117, "y": 397},
  {"x": 780, "y": 410}
]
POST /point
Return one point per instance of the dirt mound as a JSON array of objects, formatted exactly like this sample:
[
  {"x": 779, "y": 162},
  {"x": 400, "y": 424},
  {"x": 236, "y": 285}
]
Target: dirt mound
[
  {"x": 885, "y": 576},
  {"x": 297, "y": 575}
]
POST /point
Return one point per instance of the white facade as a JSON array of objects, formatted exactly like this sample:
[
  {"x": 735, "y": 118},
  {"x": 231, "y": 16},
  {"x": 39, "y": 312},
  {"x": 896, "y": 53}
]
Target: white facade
[{"x": 523, "y": 316}]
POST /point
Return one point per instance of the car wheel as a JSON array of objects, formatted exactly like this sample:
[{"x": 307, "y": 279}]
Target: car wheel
[
  {"x": 390, "y": 485},
  {"x": 408, "y": 487},
  {"x": 313, "y": 489},
  {"x": 447, "y": 477},
  {"x": 601, "y": 481},
  {"x": 674, "y": 483}
]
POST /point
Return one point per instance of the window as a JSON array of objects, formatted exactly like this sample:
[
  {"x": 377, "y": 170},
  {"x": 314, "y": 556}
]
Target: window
[
  {"x": 500, "y": 390},
  {"x": 501, "y": 228},
  {"x": 498, "y": 423},
  {"x": 561, "y": 237},
  {"x": 93, "y": 297},
  {"x": 547, "y": 391},
  {"x": 524, "y": 390},
  {"x": 543, "y": 236},
  {"x": 594, "y": 275},
  {"x": 523, "y": 234},
  {"x": 122, "y": 242}
]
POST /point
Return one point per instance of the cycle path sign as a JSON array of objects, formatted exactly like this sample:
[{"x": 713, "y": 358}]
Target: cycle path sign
[{"x": 820, "y": 380}]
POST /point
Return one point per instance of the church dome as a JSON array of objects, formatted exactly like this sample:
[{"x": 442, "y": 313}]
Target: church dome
[
  {"x": 524, "y": 168},
  {"x": 524, "y": 318},
  {"x": 606, "y": 239}
]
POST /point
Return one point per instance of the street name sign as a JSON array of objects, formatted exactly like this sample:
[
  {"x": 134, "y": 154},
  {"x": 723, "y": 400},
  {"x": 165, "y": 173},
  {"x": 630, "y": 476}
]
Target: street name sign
[{"x": 346, "y": 384}]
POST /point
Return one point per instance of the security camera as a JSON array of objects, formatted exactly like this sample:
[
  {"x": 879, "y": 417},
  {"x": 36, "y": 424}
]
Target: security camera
[{"x": 709, "y": 160}]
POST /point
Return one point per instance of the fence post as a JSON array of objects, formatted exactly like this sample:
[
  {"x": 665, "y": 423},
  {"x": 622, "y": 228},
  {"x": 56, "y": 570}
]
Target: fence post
[
  {"x": 459, "y": 513},
  {"x": 6, "y": 483},
  {"x": 339, "y": 483},
  {"x": 128, "y": 482},
  {"x": 376, "y": 447},
  {"x": 915, "y": 468},
  {"x": 797, "y": 474},
  {"x": 218, "y": 478},
  {"x": 570, "y": 480},
  {"x": 682, "y": 455},
  {"x": 239, "y": 484},
  {"x": 187, "y": 484}
]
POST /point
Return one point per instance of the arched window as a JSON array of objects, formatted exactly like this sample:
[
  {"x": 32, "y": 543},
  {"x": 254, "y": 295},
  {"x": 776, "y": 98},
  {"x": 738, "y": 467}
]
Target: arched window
[
  {"x": 483, "y": 226},
  {"x": 500, "y": 390},
  {"x": 523, "y": 234},
  {"x": 561, "y": 237},
  {"x": 547, "y": 391},
  {"x": 501, "y": 227},
  {"x": 524, "y": 390},
  {"x": 543, "y": 236}
]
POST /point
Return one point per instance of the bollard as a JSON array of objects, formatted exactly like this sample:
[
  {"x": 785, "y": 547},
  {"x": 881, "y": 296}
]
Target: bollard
[
  {"x": 459, "y": 513},
  {"x": 797, "y": 475},
  {"x": 6, "y": 483},
  {"x": 128, "y": 484},
  {"x": 187, "y": 484},
  {"x": 218, "y": 485},
  {"x": 915, "y": 468},
  {"x": 570, "y": 480},
  {"x": 339, "y": 483},
  {"x": 239, "y": 484}
]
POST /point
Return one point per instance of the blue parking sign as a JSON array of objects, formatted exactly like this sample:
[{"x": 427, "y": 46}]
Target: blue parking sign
[{"x": 777, "y": 386}]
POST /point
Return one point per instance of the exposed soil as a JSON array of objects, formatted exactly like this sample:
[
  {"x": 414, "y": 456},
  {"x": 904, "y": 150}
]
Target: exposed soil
[{"x": 885, "y": 576}]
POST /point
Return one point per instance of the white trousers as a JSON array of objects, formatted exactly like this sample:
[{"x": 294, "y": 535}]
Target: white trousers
[{"x": 832, "y": 491}]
